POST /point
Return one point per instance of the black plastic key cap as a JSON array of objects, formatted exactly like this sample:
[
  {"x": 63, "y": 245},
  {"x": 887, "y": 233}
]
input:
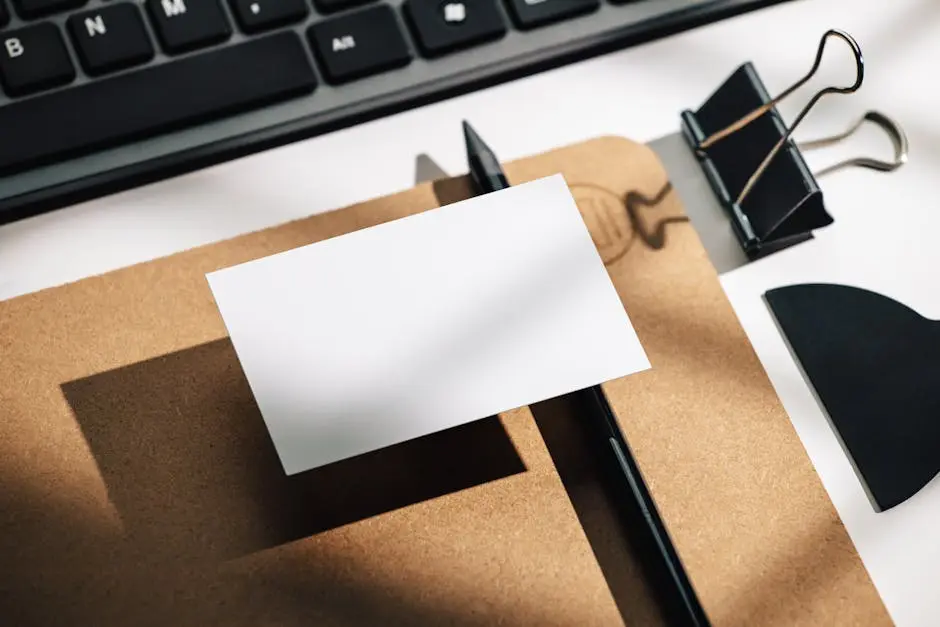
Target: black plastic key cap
[
  {"x": 37, "y": 8},
  {"x": 32, "y": 59},
  {"x": 111, "y": 38},
  {"x": 361, "y": 43},
  {"x": 134, "y": 105},
  {"x": 4, "y": 14},
  {"x": 184, "y": 25},
  {"x": 445, "y": 26},
  {"x": 328, "y": 6},
  {"x": 255, "y": 16},
  {"x": 533, "y": 13}
]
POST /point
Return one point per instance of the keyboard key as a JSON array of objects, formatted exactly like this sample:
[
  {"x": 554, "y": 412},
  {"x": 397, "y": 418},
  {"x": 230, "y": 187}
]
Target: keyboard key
[
  {"x": 533, "y": 13},
  {"x": 257, "y": 15},
  {"x": 129, "y": 106},
  {"x": 34, "y": 58},
  {"x": 4, "y": 14},
  {"x": 358, "y": 44},
  {"x": 37, "y": 8},
  {"x": 111, "y": 38},
  {"x": 328, "y": 6},
  {"x": 443, "y": 27},
  {"x": 184, "y": 25}
]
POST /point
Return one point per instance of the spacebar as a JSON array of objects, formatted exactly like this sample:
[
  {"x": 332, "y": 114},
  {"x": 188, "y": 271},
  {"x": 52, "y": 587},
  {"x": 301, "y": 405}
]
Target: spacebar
[{"x": 161, "y": 98}]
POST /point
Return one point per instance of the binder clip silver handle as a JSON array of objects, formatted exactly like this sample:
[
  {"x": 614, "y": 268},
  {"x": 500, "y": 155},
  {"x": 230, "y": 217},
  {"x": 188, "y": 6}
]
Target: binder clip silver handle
[{"x": 894, "y": 131}]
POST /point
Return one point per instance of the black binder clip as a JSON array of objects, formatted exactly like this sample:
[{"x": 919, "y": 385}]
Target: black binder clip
[{"x": 754, "y": 166}]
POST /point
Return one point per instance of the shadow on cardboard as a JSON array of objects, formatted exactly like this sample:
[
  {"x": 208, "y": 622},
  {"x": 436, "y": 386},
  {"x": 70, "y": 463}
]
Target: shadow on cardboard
[{"x": 190, "y": 468}]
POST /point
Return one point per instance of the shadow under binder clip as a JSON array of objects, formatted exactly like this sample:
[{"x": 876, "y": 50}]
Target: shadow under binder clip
[{"x": 756, "y": 169}]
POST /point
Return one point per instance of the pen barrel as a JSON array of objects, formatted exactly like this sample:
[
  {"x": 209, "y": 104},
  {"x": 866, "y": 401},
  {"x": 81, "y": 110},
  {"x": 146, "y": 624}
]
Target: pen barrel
[
  {"x": 487, "y": 177},
  {"x": 654, "y": 548}
]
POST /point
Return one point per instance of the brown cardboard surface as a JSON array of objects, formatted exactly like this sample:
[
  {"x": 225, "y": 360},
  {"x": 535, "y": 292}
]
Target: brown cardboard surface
[
  {"x": 751, "y": 521},
  {"x": 138, "y": 485}
]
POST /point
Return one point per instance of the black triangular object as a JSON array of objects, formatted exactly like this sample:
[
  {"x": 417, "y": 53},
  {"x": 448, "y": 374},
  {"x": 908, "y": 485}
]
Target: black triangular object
[{"x": 875, "y": 366}]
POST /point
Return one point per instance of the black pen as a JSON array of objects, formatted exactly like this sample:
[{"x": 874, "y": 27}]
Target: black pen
[{"x": 657, "y": 553}]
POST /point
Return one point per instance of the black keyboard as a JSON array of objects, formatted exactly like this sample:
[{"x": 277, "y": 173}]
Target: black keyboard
[{"x": 101, "y": 95}]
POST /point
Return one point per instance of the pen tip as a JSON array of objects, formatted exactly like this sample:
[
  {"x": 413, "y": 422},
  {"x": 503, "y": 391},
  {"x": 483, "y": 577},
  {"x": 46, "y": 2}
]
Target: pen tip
[{"x": 474, "y": 143}]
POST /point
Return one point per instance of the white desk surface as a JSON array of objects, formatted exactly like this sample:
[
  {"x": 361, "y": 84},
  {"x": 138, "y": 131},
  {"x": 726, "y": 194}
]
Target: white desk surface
[{"x": 884, "y": 237}]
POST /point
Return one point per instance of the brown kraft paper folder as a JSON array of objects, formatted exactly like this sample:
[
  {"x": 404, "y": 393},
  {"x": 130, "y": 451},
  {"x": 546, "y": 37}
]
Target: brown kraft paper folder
[{"x": 139, "y": 487}]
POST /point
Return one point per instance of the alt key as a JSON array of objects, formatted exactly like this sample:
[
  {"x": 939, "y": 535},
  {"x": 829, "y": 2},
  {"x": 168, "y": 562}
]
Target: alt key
[{"x": 359, "y": 44}]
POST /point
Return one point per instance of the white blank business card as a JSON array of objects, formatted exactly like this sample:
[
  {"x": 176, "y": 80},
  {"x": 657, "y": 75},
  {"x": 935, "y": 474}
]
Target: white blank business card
[{"x": 407, "y": 328}]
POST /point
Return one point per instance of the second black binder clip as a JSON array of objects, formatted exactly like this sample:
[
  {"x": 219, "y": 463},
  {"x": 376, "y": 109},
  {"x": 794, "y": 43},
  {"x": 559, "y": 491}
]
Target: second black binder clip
[{"x": 754, "y": 166}]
